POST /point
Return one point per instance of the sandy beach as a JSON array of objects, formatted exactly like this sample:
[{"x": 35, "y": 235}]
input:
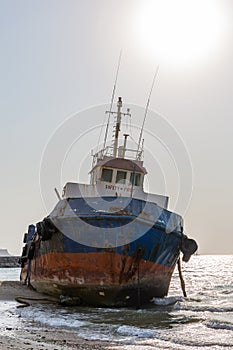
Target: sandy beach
[{"x": 51, "y": 338}]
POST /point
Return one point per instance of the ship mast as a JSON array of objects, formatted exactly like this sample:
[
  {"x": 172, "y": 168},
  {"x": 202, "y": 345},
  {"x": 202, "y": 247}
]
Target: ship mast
[{"x": 118, "y": 124}]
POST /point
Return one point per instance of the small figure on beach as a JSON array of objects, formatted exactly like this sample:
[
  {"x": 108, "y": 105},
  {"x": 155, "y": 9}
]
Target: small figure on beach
[{"x": 28, "y": 252}]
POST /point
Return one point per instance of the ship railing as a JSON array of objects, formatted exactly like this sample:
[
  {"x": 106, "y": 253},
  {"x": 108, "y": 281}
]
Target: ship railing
[{"x": 122, "y": 152}]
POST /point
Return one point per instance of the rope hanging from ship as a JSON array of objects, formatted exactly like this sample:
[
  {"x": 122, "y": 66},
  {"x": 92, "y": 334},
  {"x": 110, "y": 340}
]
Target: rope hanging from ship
[
  {"x": 138, "y": 258},
  {"x": 181, "y": 278},
  {"x": 188, "y": 248}
]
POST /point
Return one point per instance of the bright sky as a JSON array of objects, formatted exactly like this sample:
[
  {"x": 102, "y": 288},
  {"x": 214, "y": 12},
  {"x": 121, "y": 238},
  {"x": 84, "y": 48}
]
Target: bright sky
[{"x": 59, "y": 57}]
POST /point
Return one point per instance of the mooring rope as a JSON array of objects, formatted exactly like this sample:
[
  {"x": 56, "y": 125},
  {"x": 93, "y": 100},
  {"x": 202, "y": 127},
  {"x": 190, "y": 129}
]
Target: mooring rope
[
  {"x": 138, "y": 287},
  {"x": 181, "y": 278},
  {"x": 22, "y": 300}
]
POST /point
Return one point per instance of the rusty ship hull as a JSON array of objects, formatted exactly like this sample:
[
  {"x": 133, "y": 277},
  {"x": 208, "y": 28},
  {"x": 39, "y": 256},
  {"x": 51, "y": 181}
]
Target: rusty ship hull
[{"x": 114, "y": 276}]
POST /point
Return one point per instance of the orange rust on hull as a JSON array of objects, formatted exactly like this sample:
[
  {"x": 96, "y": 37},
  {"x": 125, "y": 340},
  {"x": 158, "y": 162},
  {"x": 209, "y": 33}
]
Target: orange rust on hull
[
  {"x": 103, "y": 278},
  {"x": 106, "y": 264}
]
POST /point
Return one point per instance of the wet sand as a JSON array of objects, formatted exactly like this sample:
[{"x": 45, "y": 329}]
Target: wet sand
[
  {"x": 11, "y": 290},
  {"x": 51, "y": 338}
]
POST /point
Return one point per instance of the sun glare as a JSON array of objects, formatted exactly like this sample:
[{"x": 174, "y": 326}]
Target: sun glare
[{"x": 180, "y": 31}]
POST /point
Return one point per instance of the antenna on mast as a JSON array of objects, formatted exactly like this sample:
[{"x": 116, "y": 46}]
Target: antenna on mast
[
  {"x": 112, "y": 99},
  {"x": 146, "y": 110}
]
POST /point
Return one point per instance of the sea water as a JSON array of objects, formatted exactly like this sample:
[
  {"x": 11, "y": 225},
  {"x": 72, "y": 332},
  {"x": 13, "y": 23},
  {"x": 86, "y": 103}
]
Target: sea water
[
  {"x": 9, "y": 274},
  {"x": 203, "y": 319}
]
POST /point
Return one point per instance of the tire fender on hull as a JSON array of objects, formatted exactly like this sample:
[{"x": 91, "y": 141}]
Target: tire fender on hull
[
  {"x": 46, "y": 229},
  {"x": 188, "y": 248}
]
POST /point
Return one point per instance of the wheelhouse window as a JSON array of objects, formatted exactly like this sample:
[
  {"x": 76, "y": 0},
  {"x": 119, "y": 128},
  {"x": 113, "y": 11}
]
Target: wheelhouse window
[
  {"x": 121, "y": 176},
  {"x": 135, "y": 179},
  {"x": 106, "y": 175}
]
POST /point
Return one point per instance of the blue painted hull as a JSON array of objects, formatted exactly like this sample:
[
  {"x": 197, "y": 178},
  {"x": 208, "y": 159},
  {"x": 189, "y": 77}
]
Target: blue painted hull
[{"x": 108, "y": 274}]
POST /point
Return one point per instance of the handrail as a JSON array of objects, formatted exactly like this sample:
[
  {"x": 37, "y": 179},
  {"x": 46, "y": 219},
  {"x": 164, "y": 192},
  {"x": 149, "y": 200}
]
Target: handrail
[{"x": 129, "y": 153}]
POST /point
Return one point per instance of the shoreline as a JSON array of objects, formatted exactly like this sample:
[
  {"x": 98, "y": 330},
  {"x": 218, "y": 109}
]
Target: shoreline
[{"x": 39, "y": 338}]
